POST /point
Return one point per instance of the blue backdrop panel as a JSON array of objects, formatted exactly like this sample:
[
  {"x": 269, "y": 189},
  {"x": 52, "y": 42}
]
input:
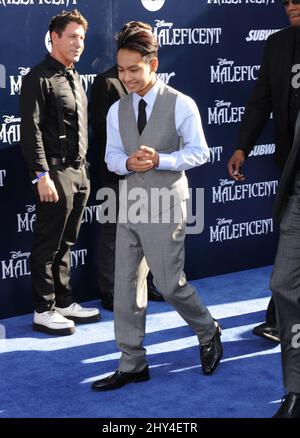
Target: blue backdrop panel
[{"x": 209, "y": 49}]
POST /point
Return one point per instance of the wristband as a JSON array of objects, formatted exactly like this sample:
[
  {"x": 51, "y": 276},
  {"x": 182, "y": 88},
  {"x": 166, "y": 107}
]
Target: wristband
[{"x": 39, "y": 175}]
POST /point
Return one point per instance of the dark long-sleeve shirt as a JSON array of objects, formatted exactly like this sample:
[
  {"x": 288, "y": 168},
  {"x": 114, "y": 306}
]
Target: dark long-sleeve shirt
[{"x": 39, "y": 115}]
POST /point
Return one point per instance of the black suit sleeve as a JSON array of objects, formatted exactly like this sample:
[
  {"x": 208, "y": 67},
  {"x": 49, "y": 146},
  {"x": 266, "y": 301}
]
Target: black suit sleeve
[{"x": 259, "y": 106}]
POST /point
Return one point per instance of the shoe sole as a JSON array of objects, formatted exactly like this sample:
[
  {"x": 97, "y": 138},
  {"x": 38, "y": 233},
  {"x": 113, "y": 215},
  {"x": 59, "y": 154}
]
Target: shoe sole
[
  {"x": 86, "y": 320},
  {"x": 60, "y": 332},
  {"x": 266, "y": 336},
  {"x": 271, "y": 337},
  {"x": 141, "y": 379}
]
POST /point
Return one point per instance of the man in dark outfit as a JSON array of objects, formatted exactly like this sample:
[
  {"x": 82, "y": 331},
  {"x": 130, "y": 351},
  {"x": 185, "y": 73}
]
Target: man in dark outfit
[
  {"x": 54, "y": 143},
  {"x": 277, "y": 91}
]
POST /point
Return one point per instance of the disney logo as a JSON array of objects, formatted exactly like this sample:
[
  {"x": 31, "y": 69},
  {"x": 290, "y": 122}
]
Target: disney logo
[
  {"x": 11, "y": 119},
  {"x": 163, "y": 23},
  {"x": 18, "y": 254},
  {"x": 226, "y": 182},
  {"x": 224, "y": 61},
  {"x": 223, "y": 221},
  {"x": 30, "y": 208},
  {"x": 222, "y": 103},
  {"x": 24, "y": 70}
]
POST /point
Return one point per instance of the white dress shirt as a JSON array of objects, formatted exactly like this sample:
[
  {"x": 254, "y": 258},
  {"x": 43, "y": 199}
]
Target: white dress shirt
[{"x": 188, "y": 123}]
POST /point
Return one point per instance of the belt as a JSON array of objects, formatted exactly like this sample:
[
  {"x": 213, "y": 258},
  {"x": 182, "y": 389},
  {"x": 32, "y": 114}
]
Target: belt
[{"x": 76, "y": 164}]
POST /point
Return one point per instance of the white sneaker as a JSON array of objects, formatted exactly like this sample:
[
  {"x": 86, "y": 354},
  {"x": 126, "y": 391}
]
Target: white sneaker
[
  {"x": 79, "y": 314},
  {"x": 53, "y": 323}
]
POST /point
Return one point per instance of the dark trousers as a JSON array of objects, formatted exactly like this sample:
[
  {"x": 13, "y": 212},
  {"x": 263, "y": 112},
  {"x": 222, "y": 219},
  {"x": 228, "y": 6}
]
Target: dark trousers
[
  {"x": 55, "y": 232},
  {"x": 285, "y": 285},
  {"x": 107, "y": 248},
  {"x": 271, "y": 313}
]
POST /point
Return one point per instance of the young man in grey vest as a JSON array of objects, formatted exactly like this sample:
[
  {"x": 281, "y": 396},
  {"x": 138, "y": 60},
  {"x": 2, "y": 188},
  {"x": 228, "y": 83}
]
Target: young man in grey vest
[{"x": 154, "y": 134}]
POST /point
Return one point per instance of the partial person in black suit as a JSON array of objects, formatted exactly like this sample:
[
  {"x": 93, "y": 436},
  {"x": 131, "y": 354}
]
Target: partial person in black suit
[
  {"x": 277, "y": 90},
  {"x": 106, "y": 90}
]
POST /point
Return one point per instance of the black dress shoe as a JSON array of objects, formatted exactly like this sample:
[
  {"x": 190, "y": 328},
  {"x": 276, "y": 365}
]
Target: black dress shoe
[
  {"x": 211, "y": 352},
  {"x": 290, "y": 407},
  {"x": 267, "y": 331},
  {"x": 153, "y": 293},
  {"x": 119, "y": 379},
  {"x": 107, "y": 300}
]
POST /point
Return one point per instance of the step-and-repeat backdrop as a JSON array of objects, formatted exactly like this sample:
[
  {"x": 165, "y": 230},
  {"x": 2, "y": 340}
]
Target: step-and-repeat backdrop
[{"x": 209, "y": 49}]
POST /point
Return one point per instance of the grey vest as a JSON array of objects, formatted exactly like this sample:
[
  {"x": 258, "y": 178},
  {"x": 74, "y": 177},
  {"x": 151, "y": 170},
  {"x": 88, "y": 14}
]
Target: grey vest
[{"x": 159, "y": 133}]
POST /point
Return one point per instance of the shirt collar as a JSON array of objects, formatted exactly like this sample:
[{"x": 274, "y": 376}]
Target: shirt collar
[
  {"x": 149, "y": 97},
  {"x": 52, "y": 62}
]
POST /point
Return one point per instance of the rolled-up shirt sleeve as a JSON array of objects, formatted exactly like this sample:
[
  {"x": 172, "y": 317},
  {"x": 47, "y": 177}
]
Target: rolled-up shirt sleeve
[
  {"x": 194, "y": 150},
  {"x": 115, "y": 155}
]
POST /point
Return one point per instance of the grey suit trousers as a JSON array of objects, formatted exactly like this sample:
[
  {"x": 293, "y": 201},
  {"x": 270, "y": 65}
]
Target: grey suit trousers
[
  {"x": 162, "y": 244},
  {"x": 285, "y": 285}
]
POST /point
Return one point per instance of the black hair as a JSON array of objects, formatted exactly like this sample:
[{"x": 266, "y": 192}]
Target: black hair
[
  {"x": 59, "y": 22},
  {"x": 138, "y": 36}
]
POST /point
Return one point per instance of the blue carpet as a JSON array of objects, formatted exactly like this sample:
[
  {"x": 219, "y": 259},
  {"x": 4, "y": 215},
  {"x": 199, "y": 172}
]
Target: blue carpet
[{"x": 50, "y": 377}]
